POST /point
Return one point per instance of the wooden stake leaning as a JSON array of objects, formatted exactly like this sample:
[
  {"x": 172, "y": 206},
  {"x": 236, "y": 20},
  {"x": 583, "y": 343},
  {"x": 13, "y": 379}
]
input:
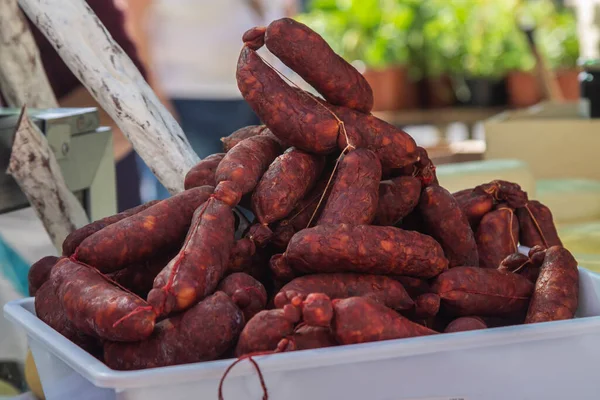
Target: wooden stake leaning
[
  {"x": 22, "y": 76},
  {"x": 108, "y": 73},
  {"x": 35, "y": 169}
]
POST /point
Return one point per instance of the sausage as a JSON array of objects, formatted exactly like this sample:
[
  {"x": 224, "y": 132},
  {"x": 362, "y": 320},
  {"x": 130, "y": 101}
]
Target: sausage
[
  {"x": 97, "y": 307},
  {"x": 536, "y": 225},
  {"x": 464, "y": 324},
  {"x": 136, "y": 238},
  {"x": 202, "y": 333},
  {"x": 289, "y": 178},
  {"x": 317, "y": 310},
  {"x": 301, "y": 215},
  {"x": 520, "y": 264},
  {"x": 203, "y": 173},
  {"x": 413, "y": 286},
  {"x": 241, "y": 255},
  {"x": 39, "y": 272},
  {"x": 425, "y": 169},
  {"x": 74, "y": 239},
  {"x": 307, "y": 337},
  {"x": 469, "y": 291},
  {"x": 474, "y": 204},
  {"x": 446, "y": 222},
  {"x": 427, "y": 305},
  {"x": 201, "y": 263},
  {"x": 497, "y": 236},
  {"x": 255, "y": 37},
  {"x": 293, "y": 116},
  {"x": 243, "y": 133},
  {"x": 505, "y": 192},
  {"x": 397, "y": 198},
  {"x": 385, "y": 290},
  {"x": 247, "y": 162},
  {"x": 365, "y": 249},
  {"x": 139, "y": 278},
  {"x": 361, "y": 320},
  {"x": 49, "y": 309},
  {"x": 394, "y": 147},
  {"x": 309, "y": 55},
  {"x": 557, "y": 289},
  {"x": 354, "y": 193},
  {"x": 266, "y": 329},
  {"x": 246, "y": 292}
]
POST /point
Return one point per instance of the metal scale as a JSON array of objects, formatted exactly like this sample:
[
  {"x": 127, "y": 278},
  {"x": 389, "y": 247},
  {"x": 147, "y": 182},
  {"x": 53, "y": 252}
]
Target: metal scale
[{"x": 84, "y": 152}]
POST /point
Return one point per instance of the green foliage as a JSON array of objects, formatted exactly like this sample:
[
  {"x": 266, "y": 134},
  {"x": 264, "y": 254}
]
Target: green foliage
[{"x": 478, "y": 38}]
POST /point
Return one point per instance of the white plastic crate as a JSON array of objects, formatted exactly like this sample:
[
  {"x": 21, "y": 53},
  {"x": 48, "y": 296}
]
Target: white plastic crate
[{"x": 556, "y": 360}]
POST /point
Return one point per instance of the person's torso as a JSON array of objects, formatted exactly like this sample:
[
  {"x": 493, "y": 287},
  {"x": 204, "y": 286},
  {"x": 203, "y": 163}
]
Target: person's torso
[{"x": 195, "y": 44}]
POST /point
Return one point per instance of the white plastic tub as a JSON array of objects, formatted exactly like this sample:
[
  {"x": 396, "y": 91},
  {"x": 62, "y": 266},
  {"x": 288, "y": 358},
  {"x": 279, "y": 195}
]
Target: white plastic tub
[{"x": 557, "y": 360}]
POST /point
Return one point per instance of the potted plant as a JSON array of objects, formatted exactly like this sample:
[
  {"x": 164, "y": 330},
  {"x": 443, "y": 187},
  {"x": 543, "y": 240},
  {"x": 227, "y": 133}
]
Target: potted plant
[
  {"x": 522, "y": 84},
  {"x": 560, "y": 45}
]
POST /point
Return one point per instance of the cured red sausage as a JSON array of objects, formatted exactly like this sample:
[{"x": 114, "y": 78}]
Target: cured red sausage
[
  {"x": 354, "y": 194},
  {"x": 446, "y": 222},
  {"x": 537, "y": 226},
  {"x": 134, "y": 239},
  {"x": 305, "y": 52},
  {"x": 556, "y": 291},
  {"x": 39, "y": 272},
  {"x": 397, "y": 198},
  {"x": 202, "y": 333},
  {"x": 75, "y": 238},
  {"x": 497, "y": 236},
  {"x": 203, "y": 173},
  {"x": 365, "y": 249},
  {"x": 97, "y": 307},
  {"x": 293, "y": 116},
  {"x": 246, "y": 292}
]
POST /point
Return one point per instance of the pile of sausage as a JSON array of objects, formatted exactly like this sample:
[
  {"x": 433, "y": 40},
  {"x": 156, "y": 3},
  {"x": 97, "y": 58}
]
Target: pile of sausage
[{"x": 353, "y": 241}]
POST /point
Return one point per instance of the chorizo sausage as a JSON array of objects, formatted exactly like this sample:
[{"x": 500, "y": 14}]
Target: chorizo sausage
[
  {"x": 309, "y": 55},
  {"x": 74, "y": 239},
  {"x": 497, "y": 236},
  {"x": 293, "y": 116},
  {"x": 394, "y": 147},
  {"x": 536, "y": 225},
  {"x": 49, "y": 309},
  {"x": 202, "y": 333},
  {"x": 385, "y": 290},
  {"x": 556, "y": 291},
  {"x": 317, "y": 310},
  {"x": 201, "y": 263},
  {"x": 446, "y": 222},
  {"x": 361, "y": 320},
  {"x": 137, "y": 237},
  {"x": 39, "y": 272},
  {"x": 520, "y": 264},
  {"x": 469, "y": 291},
  {"x": 397, "y": 198},
  {"x": 354, "y": 193},
  {"x": 365, "y": 249},
  {"x": 413, "y": 286},
  {"x": 243, "y": 133},
  {"x": 307, "y": 337},
  {"x": 97, "y": 307},
  {"x": 427, "y": 305},
  {"x": 474, "y": 204},
  {"x": 241, "y": 255},
  {"x": 139, "y": 278},
  {"x": 464, "y": 324},
  {"x": 203, "y": 173},
  {"x": 289, "y": 178},
  {"x": 246, "y": 292},
  {"x": 266, "y": 329},
  {"x": 247, "y": 162}
]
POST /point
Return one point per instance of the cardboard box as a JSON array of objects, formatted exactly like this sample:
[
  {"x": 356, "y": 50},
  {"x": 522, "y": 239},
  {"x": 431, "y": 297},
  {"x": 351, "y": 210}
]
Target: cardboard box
[{"x": 556, "y": 140}]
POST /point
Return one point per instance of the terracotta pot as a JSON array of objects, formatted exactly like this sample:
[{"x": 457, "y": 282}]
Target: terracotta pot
[
  {"x": 568, "y": 80},
  {"x": 392, "y": 89},
  {"x": 439, "y": 91},
  {"x": 523, "y": 89}
]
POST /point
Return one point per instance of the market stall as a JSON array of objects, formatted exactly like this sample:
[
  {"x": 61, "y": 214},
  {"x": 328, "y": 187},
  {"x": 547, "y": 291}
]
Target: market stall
[{"x": 358, "y": 276}]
